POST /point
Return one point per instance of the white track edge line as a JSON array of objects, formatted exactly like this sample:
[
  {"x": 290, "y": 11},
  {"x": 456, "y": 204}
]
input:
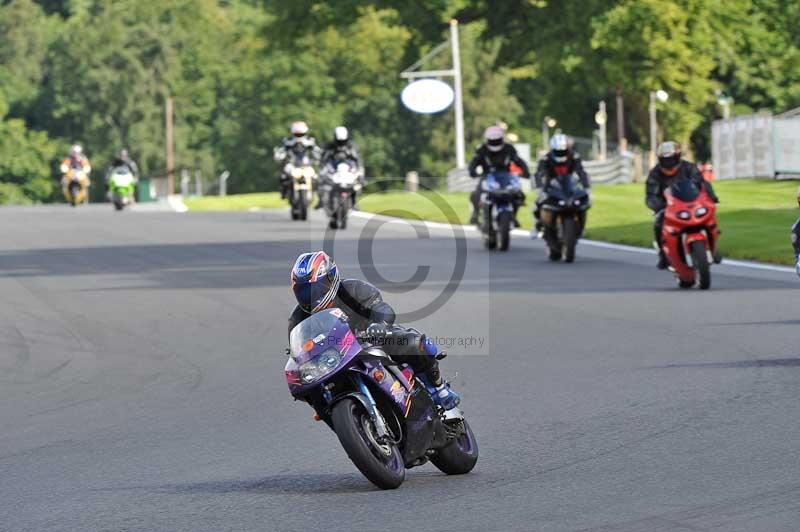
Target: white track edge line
[{"x": 593, "y": 243}]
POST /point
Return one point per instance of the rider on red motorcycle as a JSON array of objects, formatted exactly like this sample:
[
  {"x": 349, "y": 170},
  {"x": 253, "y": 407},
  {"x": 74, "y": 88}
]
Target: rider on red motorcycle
[
  {"x": 317, "y": 286},
  {"x": 670, "y": 168}
]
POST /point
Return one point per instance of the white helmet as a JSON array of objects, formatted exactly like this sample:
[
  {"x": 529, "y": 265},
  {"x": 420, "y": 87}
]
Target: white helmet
[
  {"x": 76, "y": 150},
  {"x": 495, "y": 138},
  {"x": 559, "y": 147},
  {"x": 299, "y": 128},
  {"x": 341, "y": 135}
]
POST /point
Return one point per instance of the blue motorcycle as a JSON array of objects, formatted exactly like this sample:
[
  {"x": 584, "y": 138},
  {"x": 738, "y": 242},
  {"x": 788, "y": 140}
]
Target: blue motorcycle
[
  {"x": 500, "y": 194},
  {"x": 383, "y": 414},
  {"x": 564, "y": 216}
]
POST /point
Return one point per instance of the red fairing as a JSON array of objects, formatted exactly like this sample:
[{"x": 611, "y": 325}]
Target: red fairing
[
  {"x": 683, "y": 226},
  {"x": 561, "y": 169}
]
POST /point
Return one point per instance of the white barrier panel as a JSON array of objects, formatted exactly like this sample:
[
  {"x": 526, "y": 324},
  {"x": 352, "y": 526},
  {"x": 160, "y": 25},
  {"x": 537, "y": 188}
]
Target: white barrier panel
[
  {"x": 786, "y": 145},
  {"x": 742, "y": 147}
]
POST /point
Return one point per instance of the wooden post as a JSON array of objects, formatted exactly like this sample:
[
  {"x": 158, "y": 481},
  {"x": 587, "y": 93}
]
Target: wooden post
[
  {"x": 170, "y": 147},
  {"x": 621, "y": 140}
]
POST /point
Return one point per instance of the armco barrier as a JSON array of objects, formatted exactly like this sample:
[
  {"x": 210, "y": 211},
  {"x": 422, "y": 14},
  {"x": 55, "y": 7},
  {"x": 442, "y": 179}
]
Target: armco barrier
[{"x": 618, "y": 169}]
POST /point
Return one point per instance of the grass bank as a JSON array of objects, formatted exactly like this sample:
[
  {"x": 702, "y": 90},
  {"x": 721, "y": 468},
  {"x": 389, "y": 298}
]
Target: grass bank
[
  {"x": 754, "y": 215},
  {"x": 238, "y": 202}
]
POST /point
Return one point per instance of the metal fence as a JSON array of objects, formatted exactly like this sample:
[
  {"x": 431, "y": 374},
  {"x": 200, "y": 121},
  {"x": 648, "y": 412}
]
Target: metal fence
[{"x": 759, "y": 145}]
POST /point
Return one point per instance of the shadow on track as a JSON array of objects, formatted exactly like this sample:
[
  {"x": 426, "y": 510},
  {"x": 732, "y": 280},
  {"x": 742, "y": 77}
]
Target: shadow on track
[
  {"x": 758, "y": 363},
  {"x": 305, "y": 484}
]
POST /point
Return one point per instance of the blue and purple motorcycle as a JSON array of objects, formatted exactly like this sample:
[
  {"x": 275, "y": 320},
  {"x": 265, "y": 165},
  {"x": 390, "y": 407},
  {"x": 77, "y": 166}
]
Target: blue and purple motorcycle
[
  {"x": 383, "y": 414},
  {"x": 501, "y": 193}
]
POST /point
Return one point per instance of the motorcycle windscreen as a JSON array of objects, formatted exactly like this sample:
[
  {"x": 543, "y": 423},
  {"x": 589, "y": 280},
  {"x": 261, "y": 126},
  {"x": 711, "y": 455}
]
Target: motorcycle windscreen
[
  {"x": 504, "y": 179},
  {"x": 563, "y": 187},
  {"x": 685, "y": 190},
  {"x": 325, "y": 329}
]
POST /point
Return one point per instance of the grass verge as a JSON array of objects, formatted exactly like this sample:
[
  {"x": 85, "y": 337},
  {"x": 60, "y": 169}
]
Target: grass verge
[
  {"x": 238, "y": 202},
  {"x": 754, "y": 215}
]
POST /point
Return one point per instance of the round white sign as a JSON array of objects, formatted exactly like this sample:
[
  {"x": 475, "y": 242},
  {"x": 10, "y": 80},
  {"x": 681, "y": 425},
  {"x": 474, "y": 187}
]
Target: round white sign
[{"x": 427, "y": 96}]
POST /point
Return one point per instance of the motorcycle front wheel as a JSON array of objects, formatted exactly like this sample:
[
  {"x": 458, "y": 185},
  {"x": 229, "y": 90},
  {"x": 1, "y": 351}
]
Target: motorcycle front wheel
[
  {"x": 570, "y": 231},
  {"x": 700, "y": 261},
  {"x": 344, "y": 207},
  {"x": 302, "y": 205},
  {"x": 504, "y": 230},
  {"x": 460, "y": 456},
  {"x": 381, "y": 463}
]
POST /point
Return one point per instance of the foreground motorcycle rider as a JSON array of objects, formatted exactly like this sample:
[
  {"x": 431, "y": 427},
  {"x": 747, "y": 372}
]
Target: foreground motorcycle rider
[
  {"x": 299, "y": 142},
  {"x": 341, "y": 148},
  {"x": 317, "y": 286},
  {"x": 494, "y": 155},
  {"x": 560, "y": 160},
  {"x": 670, "y": 169}
]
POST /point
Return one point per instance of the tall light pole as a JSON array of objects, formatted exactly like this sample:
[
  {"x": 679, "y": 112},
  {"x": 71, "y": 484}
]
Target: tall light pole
[
  {"x": 621, "y": 140},
  {"x": 600, "y": 118},
  {"x": 655, "y": 96},
  {"x": 547, "y": 123},
  {"x": 411, "y": 74},
  {"x": 168, "y": 118},
  {"x": 459, "y": 104}
]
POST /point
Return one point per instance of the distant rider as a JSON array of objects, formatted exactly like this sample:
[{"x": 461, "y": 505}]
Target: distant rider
[
  {"x": 341, "y": 148},
  {"x": 76, "y": 161},
  {"x": 670, "y": 169},
  {"x": 298, "y": 143},
  {"x": 123, "y": 158},
  {"x": 494, "y": 155},
  {"x": 560, "y": 160},
  {"x": 317, "y": 286}
]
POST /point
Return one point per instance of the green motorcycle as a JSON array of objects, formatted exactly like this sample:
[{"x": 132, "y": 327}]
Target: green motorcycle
[{"x": 121, "y": 185}]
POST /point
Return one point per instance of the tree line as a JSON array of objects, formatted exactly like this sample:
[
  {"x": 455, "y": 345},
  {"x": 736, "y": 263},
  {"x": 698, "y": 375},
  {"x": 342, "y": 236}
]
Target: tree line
[{"x": 97, "y": 72}]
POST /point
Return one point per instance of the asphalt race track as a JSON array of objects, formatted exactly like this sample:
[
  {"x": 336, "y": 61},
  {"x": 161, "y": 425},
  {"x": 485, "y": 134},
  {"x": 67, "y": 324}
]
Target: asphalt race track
[{"x": 141, "y": 383}]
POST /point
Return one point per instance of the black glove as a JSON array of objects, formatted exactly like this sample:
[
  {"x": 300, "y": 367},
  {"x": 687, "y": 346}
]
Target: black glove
[{"x": 376, "y": 330}]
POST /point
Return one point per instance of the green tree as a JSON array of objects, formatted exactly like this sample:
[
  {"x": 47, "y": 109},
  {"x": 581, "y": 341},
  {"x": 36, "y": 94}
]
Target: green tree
[
  {"x": 645, "y": 45},
  {"x": 26, "y": 159}
]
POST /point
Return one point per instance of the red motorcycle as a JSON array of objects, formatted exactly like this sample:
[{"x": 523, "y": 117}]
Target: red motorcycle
[{"x": 690, "y": 233}]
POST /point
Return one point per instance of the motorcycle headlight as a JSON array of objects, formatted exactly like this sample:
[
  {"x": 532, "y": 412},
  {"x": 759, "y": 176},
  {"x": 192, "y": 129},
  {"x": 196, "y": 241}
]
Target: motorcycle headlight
[
  {"x": 577, "y": 202},
  {"x": 320, "y": 366},
  {"x": 684, "y": 215},
  {"x": 701, "y": 211},
  {"x": 562, "y": 202}
]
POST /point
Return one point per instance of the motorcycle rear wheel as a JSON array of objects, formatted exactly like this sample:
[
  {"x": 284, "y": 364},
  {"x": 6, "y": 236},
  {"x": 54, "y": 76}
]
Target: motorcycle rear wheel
[
  {"x": 460, "y": 456},
  {"x": 701, "y": 265},
  {"x": 383, "y": 466}
]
